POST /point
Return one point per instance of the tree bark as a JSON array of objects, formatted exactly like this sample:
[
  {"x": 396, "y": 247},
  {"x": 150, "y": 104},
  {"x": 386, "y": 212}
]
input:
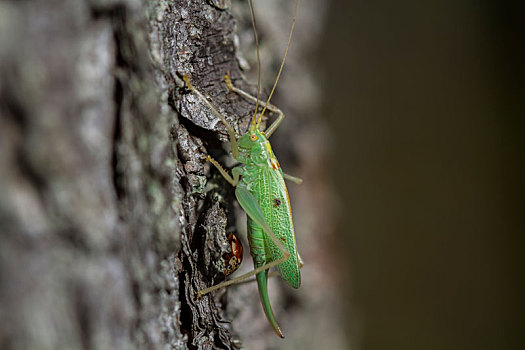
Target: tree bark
[{"x": 111, "y": 219}]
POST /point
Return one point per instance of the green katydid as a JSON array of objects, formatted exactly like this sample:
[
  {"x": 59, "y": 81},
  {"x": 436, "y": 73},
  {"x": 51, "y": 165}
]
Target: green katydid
[{"x": 261, "y": 192}]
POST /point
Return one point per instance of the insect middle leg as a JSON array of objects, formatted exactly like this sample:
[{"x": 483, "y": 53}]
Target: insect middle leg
[
  {"x": 295, "y": 179},
  {"x": 231, "y": 132},
  {"x": 235, "y": 171}
]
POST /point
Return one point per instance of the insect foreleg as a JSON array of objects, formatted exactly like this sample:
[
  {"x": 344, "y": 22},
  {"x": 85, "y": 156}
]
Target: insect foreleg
[
  {"x": 280, "y": 115},
  {"x": 229, "y": 128}
]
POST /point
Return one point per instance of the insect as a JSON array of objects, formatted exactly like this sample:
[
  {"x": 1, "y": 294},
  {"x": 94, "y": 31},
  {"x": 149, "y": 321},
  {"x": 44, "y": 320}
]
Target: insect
[
  {"x": 261, "y": 192},
  {"x": 232, "y": 260}
]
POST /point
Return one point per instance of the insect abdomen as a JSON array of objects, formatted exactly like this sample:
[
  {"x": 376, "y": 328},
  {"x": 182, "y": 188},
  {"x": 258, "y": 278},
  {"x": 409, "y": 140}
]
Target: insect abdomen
[{"x": 257, "y": 243}]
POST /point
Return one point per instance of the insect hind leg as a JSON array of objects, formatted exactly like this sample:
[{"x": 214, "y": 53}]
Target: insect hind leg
[
  {"x": 274, "y": 273},
  {"x": 252, "y": 208}
]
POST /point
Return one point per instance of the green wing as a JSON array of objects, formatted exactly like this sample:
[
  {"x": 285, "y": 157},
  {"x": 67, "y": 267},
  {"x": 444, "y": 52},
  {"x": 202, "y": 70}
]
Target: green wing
[
  {"x": 252, "y": 208},
  {"x": 272, "y": 196}
]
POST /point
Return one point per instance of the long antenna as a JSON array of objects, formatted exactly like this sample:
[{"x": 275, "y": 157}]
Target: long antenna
[
  {"x": 252, "y": 13},
  {"x": 282, "y": 63}
]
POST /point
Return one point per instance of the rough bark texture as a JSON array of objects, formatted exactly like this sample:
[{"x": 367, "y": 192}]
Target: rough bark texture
[{"x": 110, "y": 218}]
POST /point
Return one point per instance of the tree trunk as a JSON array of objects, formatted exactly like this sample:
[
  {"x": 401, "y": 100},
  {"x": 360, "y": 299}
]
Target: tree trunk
[{"x": 111, "y": 219}]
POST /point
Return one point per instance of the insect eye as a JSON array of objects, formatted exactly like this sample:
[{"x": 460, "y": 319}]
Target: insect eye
[{"x": 253, "y": 137}]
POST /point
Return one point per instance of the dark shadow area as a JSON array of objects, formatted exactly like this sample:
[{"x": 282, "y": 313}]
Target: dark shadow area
[{"x": 425, "y": 100}]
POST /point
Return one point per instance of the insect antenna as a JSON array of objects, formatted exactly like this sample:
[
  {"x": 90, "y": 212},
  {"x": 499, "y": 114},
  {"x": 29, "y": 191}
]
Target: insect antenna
[
  {"x": 258, "y": 122},
  {"x": 254, "y": 25}
]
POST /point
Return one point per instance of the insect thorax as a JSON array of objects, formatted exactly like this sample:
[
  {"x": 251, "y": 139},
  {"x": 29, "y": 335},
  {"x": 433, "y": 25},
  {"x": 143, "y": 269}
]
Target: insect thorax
[{"x": 257, "y": 151}]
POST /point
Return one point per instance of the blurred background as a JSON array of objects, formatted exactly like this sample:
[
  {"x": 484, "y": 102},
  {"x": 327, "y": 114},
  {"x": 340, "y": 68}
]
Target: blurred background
[
  {"x": 425, "y": 103},
  {"x": 405, "y": 120}
]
